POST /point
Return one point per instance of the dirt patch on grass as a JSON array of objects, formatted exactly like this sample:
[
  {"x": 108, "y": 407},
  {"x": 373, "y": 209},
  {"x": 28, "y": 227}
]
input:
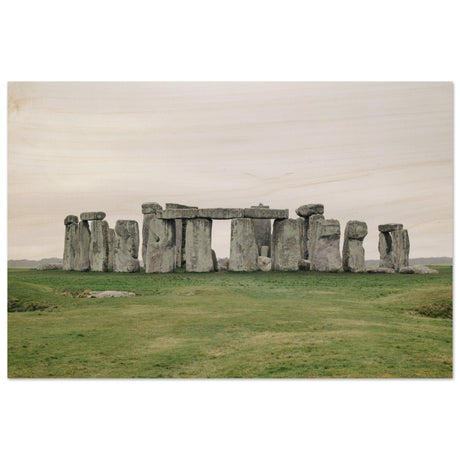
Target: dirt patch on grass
[{"x": 437, "y": 310}]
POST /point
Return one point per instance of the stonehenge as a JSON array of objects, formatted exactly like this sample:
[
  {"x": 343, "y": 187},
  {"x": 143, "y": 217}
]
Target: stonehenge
[
  {"x": 126, "y": 246},
  {"x": 394, "y": 246},
  {"x": 286, "y": 244},
  {"x": 243, "y": 246},
  {"x": 179, "y": 237},
  {"x": 353, "y": 251},
  {"x": 325, "y": 249}
]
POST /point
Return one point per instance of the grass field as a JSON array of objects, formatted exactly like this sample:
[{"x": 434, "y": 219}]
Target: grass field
[{"x": 301, "y": 325}]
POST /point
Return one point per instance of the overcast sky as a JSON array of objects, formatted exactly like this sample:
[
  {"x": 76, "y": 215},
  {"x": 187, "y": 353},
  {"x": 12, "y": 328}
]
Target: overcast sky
[{"x": 377, "y": 152}]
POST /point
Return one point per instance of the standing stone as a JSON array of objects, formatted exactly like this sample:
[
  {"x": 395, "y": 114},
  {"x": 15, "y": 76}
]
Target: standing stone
[
  {"x": 353, "y": 251},
  {"x": 305, "y": 212},
  {"x": 325, "y": 256},
  {"x": 264, "y": 250},
  {"x": 243, "y": 246},
  {"x": 84, "y": 239},
  {"x": 394, "y": 246},
  {"x": 286, "y": 245},
  {"x": 149, "y": 210},
  {"x": 311, "y": 232},
  {"x": 198, "y": 256},
  {"x": 99, "y": 246},
  {"x": 263, "y": 231},
  {"x": 215, "y": 264},
  {"x": 161, "y": 247},
  {"x": 126, "y": 247},
  {"x": 71, "y": 243},
  {"x": 180, "y": 233},
  {"x": 111, "y": 241}
]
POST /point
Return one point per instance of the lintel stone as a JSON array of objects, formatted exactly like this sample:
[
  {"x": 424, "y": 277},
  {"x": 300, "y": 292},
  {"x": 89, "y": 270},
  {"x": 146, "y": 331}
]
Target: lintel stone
[
  {"x": 390, "y": 227},
  {"x": 95, "y": 215},
  {"x": 266, "y": 213}
]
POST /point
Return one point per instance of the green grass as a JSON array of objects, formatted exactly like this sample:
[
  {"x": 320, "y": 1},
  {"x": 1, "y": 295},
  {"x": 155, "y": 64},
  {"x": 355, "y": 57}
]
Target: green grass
[{"x": 303, "y": 324}]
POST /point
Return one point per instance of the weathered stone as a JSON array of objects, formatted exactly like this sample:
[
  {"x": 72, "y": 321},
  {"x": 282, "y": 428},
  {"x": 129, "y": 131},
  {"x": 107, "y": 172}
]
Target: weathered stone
[
  {"x": 325, "y": 255},
  {"x": 266, "y": 213},
  {"x": 84, "y": 240},
  {"x": 308, "y": 210},
  {"x": 220, "y": 213},
  {"x": 264, "y": 263},
  {"x": 286, "y": 245},
  {"x": 243, "y": 246},
  {"x": 102, "y": 294},
  {"x": 379, "y": 270},
  {"x": 180, "y": 233},
  {"x": 401, "y": 247},
  {"x": 418, "y": 270},
  {"x": 71, "y": 220},
  {"x": 198, "y": 256},
  {"x": 223, "y": 264},
  {"x": 263, "y": 231},
  {"x": 304, "y": 265},
  {"x": 151, "y": 208},
  {"x": 264, "y": 249},
  {"x": 390, "y": 227},
  {"x": 97, "y": 215},
  {"x": 310, "y": 231},
  {"x": 353, "y": 250},
  {"x": 126, "y": 247},
  {"x": 394, "y": 248},
  {"x": 161, "y": 246},
  {"x": 178, "y": 214},
  {"x": 214, "y": 261},
  {"x": 385, "y": 250},
  {"x": 49, "y": 267},
  {"x": 111, "y": 242},
  {"x": 71, "y": 247},
  {"x": 99, "y": 246}
]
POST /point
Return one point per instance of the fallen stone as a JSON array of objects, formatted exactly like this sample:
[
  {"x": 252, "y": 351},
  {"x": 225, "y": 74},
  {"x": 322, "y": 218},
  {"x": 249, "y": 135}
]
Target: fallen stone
[
  {"x": 266, "y": 213},
  {"x": 379, "y": 270},
  {"x": 243, "y": 246},
  {"x": 198, "y": 255},
  {"x": 223, "y": 264},
  {"x": 151, "y": 208},
  {"x": 220, "y": 213},
  {"x": 390, "y": 227},
  {"x": 353, "y": 250},
  {"x": 161, "y": 247},
  {"x": 264, "y": 263},
  {"x": 126, "y": 247},
  {"x": 304, "y": 265},
  {"x": 71, "y": 220},
  {"x": 308, "y": 210},
  {"x": 418, "y": 270},
  {"x": 98, "y": 215},
  {"x": 99, "y": 246},
  {"x": 286, "y": 245},
  {"x": 325, "y": 256},
  {"x": 49, "y": 267},
  {"x": 102, "y": 294}
]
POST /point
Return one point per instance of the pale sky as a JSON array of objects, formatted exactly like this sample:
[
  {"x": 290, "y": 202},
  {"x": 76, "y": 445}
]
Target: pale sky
[{"x": 377, "y": 152}]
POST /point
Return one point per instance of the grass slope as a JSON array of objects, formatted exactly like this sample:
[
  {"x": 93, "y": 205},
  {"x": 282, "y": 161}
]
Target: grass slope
[{"x": 302, "y": 324}]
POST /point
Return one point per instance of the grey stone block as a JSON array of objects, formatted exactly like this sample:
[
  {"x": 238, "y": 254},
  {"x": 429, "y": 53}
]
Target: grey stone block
[
  {"x": 97, "y": 215},
  {"x": 353, "y": 250},
  {"x": 99, "y": 246},
  {"x": 308, "y": 210},
  {"x": 71, "y": 220},
  {"x": 390, "y": 227},
  {"x": 325, "y": 256},
  {"x": 126, "y": 247},
  {"x": 286, "y": 245},
  {"x": 151, "y": 208},
  {"x": 161, "y": 246},
  {"x": 264, "y": 263},
  {"x": 243, "y": 246},
  {"x": 198, "y": 255},
  {"x": 220, "y": 213},
  {"x": 266, "y": 213}
]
